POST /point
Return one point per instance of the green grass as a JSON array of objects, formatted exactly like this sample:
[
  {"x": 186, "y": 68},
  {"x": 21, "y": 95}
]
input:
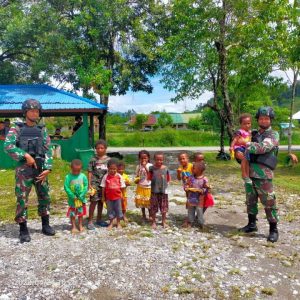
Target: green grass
[
  {"x": 171, "y": 137},
  {"x": 286, "y": 179},
  {"x": 58, "y": 195},
  {"x": 161, "y": 138}
]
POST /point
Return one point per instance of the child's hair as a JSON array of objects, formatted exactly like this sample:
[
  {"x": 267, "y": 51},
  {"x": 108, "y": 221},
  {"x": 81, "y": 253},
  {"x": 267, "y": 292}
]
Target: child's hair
[
  {"x": 183, "y": 153},
  {"x": 144, "y": 152},
  {"x": 113, "y": 161},
  {"x": 1, "y": 122},
  {"x": 198, "y": 153},
  {"x": 244, "y": 116},
  {"x": 201, "y": 165},
  {"x": 101, "y": 142},
  {"x": 76, "y": 162},
  {"x": 158, "y": 153},
  {"x": 121, "y": 163}
]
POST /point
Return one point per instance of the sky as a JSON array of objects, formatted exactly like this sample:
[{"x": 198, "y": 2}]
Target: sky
[{"x": 160, "y": 98}]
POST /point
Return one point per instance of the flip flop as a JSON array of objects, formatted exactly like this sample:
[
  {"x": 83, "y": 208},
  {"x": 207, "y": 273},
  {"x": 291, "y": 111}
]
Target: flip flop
[{"x": 102, "y": 223}]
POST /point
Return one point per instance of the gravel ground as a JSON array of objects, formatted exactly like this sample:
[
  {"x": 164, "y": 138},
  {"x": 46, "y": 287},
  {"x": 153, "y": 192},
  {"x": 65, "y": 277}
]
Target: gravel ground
[{"x": 139, "y": 263}]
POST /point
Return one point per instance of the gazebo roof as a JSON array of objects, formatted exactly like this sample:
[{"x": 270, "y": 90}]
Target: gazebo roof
[{"x": 55, "y": 102}]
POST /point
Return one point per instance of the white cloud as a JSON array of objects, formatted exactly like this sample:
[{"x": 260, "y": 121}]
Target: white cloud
[{"x": 136, "y": 102}]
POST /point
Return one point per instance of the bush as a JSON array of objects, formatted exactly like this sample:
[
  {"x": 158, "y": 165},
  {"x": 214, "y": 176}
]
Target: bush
[{"x": 195, "y": 123}]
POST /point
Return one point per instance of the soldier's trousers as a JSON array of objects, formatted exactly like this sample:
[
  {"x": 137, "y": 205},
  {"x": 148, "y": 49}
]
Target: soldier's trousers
[
  {"x": 262, "y": 189},
  {"x": 24, "y": 182}
]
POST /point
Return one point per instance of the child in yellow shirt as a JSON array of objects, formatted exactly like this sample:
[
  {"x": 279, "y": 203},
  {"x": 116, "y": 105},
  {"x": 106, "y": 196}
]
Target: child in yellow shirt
[{"x": 121, "y": 171}]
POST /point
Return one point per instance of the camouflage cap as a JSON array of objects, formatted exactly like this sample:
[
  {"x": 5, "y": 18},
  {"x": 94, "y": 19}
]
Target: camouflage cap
[
  {"x": 31, "y": 104},
  {"x": 265, "y": 111}
]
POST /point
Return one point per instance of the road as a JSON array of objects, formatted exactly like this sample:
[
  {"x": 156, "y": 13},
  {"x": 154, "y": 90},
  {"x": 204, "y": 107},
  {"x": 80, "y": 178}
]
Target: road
[{"x": 169, "y": 149}]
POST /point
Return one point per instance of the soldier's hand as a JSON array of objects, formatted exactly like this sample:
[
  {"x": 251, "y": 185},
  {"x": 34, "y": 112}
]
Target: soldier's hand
[
  {"x": 42, "y": 177},
  {"x": 30, "y": 160}
]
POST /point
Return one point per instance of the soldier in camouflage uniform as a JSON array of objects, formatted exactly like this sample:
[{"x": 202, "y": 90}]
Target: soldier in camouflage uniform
[
  {"x": 29, "y": 144},
  {"x": 263, "y": 151}
]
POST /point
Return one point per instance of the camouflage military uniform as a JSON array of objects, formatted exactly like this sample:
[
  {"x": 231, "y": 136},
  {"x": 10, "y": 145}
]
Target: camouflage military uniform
[
  {"x": 25, "y": 177},
  {"x": 262, "y": 176},
  {"x": 98, "y": 168}
]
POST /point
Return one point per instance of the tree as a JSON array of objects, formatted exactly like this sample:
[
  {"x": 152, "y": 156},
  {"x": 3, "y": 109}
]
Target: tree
[
  {"x": 164, "y": 120},
  {"x": 290, "y": 57},
  {"x": 28, "y": 50},
  {"x": 140, "y": 119},
  {"x": 195, "y": 123},
  {"x": 219, "y": 46},
  {"x": 105, "y": 47}
]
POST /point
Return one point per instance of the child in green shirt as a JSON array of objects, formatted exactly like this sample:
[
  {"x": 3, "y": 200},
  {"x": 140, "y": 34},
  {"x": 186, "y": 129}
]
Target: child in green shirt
[{"x": 76, "y": 187}]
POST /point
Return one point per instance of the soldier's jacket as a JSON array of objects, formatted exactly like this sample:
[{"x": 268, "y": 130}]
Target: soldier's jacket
[
  {"x": 267, "y": 142},
  {"x": 17, "y": 154}
]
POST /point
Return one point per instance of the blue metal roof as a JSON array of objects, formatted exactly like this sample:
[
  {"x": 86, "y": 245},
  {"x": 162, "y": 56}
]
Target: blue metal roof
[{"x": 52, "y": 99}]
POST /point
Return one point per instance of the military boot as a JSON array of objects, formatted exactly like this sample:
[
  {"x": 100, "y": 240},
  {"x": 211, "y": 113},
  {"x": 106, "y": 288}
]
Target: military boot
[
  {"x": 274, "y": 234},
  {"x": 251, "y": 226},
  {"x": 46, "y": 228},
  {"x": 24, "y": 233}
]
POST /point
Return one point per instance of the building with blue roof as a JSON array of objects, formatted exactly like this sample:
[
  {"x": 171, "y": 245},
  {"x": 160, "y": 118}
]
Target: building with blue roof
[{"x": 54, "y": 102}]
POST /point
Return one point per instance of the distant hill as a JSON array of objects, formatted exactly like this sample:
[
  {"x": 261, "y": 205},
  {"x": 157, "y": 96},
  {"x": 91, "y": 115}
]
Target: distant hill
[{"x": 285, "y": 98}]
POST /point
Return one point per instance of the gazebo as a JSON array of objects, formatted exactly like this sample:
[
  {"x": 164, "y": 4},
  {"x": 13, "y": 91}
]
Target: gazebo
[{"x": 55, "y": 102}]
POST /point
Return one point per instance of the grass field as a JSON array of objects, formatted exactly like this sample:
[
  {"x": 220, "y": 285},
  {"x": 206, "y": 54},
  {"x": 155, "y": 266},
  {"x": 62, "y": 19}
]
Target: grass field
[
  {"x": 172, "y": 137},
  {"x": 286, "y": 178}
]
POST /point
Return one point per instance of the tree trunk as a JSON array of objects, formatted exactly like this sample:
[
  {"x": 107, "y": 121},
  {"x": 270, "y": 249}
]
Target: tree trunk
[
  {"x": 102, "y": 118},
  {"x": 102, "y": 125},
  {"x": 294, "y": 85},
  {"x": 228, "y": 111},
  {"x": 222, "y": 136}
]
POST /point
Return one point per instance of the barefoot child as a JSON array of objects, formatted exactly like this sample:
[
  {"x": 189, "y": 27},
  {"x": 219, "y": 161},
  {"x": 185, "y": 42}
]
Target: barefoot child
[
  {"x": 143, "y": 189},
  {"x": 185, "y": 167},
  {"x": 198, "y": 156},
  {"x": 160, "y": 177},
  {"x": 96, "y": 170},
  {"x": 196, "y": 188},
  {"x": 237, "y": 147},
  {"x": 121, "y": 171},
  {"x": 113, "y": 187},
  {"x": 76, "y": 186},
  {"x": 184, "y": 171}
]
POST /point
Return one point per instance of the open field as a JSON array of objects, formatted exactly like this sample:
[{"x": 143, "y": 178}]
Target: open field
[
  {"x": 172, "y": 137},
  {"x": 215, "y": 263}
]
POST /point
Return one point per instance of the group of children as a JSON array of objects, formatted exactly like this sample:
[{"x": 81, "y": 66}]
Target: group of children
[{"x": 107, "y": 181}]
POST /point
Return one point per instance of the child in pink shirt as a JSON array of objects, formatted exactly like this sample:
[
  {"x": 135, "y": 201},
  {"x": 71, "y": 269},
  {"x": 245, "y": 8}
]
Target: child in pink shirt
[{"x": 237, "y": 147}]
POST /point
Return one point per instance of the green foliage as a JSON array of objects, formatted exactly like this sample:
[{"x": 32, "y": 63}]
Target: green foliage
[
  {"x": 53, "y": 123},
  {"x": 140, "y": 119},
  {"x": 28, "y": 51},
  {"x": 105, "y": 48},
  {"x": 116, "y": 119},
  {"x": 221, "y": 47},
  {"x": 211, "y": 120},
  {"x": 195, "y": 123},
  {"x": 164, "y": 120}
]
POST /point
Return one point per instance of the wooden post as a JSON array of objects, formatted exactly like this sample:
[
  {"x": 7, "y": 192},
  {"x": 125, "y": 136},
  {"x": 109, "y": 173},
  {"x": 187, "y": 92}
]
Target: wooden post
[
  {"x": 92, "y": 131},
  {"x": 86, "y": 131}
]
